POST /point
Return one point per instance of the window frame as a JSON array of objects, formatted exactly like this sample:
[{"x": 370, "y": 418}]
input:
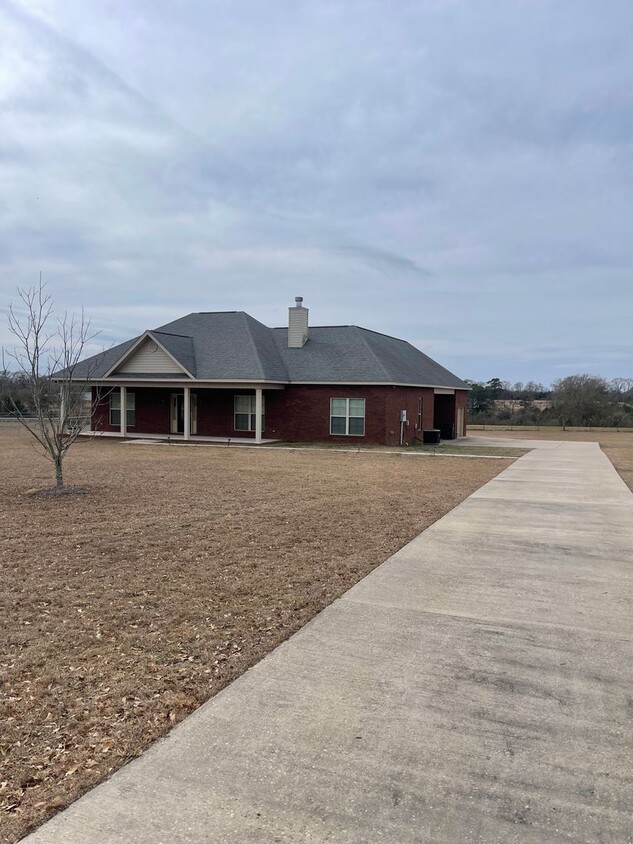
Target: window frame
[
  {"x": 114, "y": 412},
  {"x": 347, "y": 416},
  {"x": 251, "y": 413}
]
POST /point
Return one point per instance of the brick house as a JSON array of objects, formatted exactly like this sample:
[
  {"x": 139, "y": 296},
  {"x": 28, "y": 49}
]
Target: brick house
[{"x": 226, "y": 375}]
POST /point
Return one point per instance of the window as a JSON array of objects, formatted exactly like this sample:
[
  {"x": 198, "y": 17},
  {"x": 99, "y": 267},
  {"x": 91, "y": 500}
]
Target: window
[
  {"x": 115, "y": 409},
  {"x": 245, "y": 413},
  {"x": 347, "y": 417},
  {"x": 420, "y": 415}
]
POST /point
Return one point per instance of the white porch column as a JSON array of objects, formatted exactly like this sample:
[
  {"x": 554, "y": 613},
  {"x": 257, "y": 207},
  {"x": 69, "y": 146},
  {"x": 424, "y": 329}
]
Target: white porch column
[
  {"x": 123, "y": 424},
  {"x": 258, "y": 415},
  {"x": 187, "y": 413}
]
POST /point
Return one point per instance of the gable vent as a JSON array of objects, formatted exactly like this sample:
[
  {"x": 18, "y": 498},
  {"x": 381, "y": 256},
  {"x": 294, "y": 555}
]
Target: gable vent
[{"x": 149, "y": 357}]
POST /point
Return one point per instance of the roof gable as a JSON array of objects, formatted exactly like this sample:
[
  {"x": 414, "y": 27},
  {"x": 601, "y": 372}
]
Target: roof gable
[{"x": 155, "y": 353}]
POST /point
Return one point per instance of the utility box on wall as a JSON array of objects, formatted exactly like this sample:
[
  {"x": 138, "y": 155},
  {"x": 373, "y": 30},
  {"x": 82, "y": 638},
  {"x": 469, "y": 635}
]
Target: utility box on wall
[{"x": 403, "y": 416}]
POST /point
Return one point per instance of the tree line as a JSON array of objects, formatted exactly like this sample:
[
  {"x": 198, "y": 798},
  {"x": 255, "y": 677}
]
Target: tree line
[
  {"x": 578, "y": 400},
  {"x": 14, "y": 393}
]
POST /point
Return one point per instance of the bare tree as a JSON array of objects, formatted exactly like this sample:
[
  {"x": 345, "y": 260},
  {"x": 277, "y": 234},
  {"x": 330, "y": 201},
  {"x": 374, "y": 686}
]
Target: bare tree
[
  {"x": 621, "y": 389},
  {"x": 47, "y": 353}
]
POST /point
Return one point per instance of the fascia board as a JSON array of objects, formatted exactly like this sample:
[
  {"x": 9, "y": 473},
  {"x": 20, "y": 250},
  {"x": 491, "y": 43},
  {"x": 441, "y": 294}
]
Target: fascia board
[{"x": 375, "y": 384}]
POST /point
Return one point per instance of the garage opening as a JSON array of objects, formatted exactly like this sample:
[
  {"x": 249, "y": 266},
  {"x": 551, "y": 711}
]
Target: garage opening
[{"x": 444, "y": 415}]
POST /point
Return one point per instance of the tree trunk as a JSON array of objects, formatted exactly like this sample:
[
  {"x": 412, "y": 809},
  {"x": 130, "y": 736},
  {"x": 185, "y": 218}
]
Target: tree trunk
[{"x": 59, "y": 477}]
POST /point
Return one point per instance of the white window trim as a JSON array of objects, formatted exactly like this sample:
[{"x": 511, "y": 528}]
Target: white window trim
[
  {"x": 130, "y": 406},
  {"x": 251, "y": 414},
  {"x": 347, "y": 416}
]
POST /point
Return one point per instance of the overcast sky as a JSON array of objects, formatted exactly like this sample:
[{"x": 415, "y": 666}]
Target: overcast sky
[{"x": 458, "y": 173}]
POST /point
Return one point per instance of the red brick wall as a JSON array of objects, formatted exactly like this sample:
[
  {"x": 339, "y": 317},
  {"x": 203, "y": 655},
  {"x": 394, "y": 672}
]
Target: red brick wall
[
  {"x": 407, "y": 398},
  {"x": 151, "y": 413},
  {"x": 300, "y": 413},
  {"x": 303, "y": 413},
  {"x": 216, "y": 414}
]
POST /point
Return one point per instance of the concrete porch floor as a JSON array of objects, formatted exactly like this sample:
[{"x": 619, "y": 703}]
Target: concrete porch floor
[{"x": 176, "y": 438}]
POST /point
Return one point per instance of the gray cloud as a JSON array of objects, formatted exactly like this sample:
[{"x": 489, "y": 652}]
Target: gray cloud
[{"x": 457, "y": 174}]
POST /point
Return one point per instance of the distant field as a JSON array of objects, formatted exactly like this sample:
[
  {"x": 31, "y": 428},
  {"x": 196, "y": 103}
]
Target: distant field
[
  {"x": 529, "y": 429},
  {"x": 123, "y": 609}
]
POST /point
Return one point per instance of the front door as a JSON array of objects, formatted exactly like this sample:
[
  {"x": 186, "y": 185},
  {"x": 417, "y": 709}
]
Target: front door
[{"x": 178, "y": 413}]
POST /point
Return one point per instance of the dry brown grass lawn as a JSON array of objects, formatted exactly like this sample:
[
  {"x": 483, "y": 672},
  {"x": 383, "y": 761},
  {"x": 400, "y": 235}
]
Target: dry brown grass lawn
[
  {"x": 617, "y": 445},
  {"x": 124, "y": 609}
]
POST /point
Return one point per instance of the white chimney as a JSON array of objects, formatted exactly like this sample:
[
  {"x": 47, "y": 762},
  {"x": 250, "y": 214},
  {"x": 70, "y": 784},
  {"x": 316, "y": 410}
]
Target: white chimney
[{"x": 297, "y": 324}]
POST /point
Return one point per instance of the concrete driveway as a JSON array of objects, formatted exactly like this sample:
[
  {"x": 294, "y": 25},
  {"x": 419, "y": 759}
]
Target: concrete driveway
[
  {"x": 477, "y": 687},
  {"x": 504, "y": 442}
]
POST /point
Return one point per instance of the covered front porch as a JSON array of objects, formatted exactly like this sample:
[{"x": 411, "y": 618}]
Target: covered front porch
[{"x": 212, "y": 413}]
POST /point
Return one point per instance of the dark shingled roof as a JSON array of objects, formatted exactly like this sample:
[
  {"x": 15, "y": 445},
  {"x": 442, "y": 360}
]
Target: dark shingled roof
[
  {"x": 232, "y": 346},
  {"x": 179, "y": 346},
  {"x": 347, "y": 353},
  {"x": 97, "y": 365}
]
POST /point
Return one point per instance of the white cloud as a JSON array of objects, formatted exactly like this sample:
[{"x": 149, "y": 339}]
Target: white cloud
[{"x": 457, "y": 174}]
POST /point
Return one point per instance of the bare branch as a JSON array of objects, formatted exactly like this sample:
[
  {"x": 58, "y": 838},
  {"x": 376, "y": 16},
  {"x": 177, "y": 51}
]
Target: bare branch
[{"x": 47, "y": 353}]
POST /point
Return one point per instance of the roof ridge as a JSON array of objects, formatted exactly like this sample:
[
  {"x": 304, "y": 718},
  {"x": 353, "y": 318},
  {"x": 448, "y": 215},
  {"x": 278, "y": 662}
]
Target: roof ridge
[
  {"x": 285, "y": 327},
  {"x": 376, "y": 358},
  {"x": 359, "y": 327},
  {"x": 382, "y": 334},
  {"x": 169, "y": 333},
  {"x": 247, "y": 319}
]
